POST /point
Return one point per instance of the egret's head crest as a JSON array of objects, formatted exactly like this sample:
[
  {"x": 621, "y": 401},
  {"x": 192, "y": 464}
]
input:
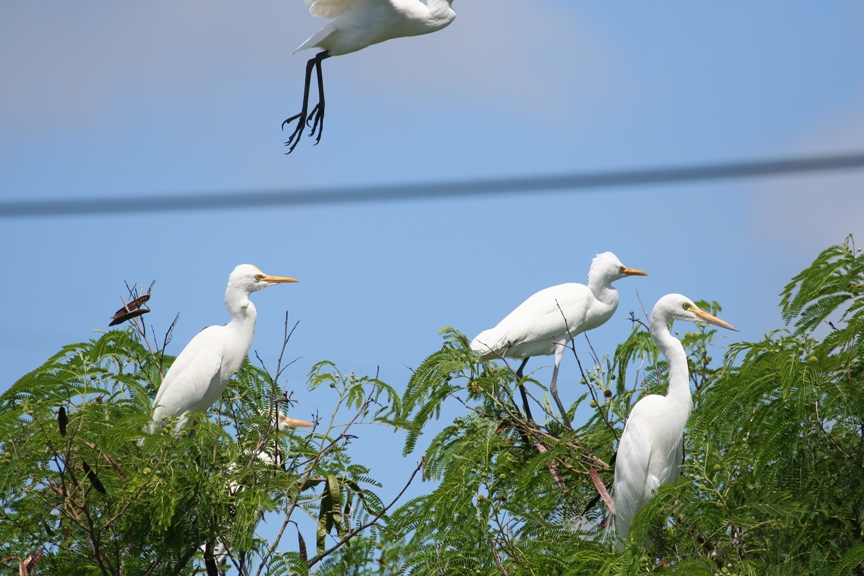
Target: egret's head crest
[{"x": 606, "y": 266}]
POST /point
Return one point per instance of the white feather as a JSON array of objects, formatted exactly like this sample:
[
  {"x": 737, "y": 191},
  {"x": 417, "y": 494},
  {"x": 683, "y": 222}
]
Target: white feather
[{"x": 652, "y": 445}]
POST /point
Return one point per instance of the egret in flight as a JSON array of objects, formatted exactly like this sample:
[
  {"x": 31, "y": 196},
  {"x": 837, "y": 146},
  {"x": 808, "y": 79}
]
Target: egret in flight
[
  {"x": 355, "y": 25},
  {"x": 545, "y": 322},
  {"x": 652, "y": 445},
  {"x": 201, "y": 372}
]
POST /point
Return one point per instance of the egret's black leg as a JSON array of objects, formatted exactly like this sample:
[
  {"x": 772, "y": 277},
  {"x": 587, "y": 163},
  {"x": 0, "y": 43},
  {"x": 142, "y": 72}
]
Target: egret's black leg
[
  {"x": 210, "y": 561},
  {"x": 302, "y": 116},
  {"x": 553, "y": 391},
  {"x": 523, "y": 393},
  {"x": 316, "y": 117},
  {"x": 521, "y": 368}
]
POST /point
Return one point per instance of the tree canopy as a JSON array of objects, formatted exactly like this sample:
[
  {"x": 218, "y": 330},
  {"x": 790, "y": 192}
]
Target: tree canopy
[{"x": 772, "y": 480}]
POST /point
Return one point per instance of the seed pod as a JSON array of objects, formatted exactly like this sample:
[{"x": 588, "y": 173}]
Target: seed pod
[{"x": 62, "y": 420}]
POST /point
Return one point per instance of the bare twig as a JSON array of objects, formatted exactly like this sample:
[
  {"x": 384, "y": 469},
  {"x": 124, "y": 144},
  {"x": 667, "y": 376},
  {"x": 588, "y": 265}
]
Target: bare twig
[
  {"x": 314, "y": 560},
  {"x": 828, "y": 434},
  {"x": 591, "y": 390},
  {"x": 168, "y": 335},
  {"x": 307, "y": 475}
]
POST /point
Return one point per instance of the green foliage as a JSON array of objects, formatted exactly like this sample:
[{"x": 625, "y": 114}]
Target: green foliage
[
  {"x": 83, "y": 485},
  {"x": 834, "y": 279},
  {"x": 786, "y": 427},
  {"x": 772, "y": 481}
]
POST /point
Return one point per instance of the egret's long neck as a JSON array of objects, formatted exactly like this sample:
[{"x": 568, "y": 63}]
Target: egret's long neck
[
  {"x": 243, "y": 314},
  {"x": 673, "y": 351},
  {"x": 601, "y": 286}
]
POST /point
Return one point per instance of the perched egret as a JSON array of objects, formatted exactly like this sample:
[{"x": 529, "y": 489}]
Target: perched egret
[
  {"x": 201, "y": 372},
  {"x": 221, "y": 551},
  {"x": 652, "y": 445},
  {"x": 355, "y": 25},
  {"x": 282, "y": 423},
  {"x": 545, "y": 322}
]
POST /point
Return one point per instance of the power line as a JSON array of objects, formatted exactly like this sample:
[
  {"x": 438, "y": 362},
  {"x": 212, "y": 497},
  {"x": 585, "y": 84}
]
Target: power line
[{"x": 456, "y": 188}]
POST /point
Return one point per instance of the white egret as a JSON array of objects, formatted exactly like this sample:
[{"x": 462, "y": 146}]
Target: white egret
[
  {"x": 221, "y": 551},
  {"x": 545, "y": 322},
  {"x": 652, "y": 445},
  {"x": 355, "y": 25},
  {"x": 201, "y": 372}
]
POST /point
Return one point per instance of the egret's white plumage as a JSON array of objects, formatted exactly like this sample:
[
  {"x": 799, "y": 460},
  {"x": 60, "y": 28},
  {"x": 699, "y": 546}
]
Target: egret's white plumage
[
  {"x": 201, "y": 372},
  {"x": 355, "y": 25},
  {"x": 221, "y": 551},
  {"x": 651, "y": 447},
  {"x": 545, "y": 322}
]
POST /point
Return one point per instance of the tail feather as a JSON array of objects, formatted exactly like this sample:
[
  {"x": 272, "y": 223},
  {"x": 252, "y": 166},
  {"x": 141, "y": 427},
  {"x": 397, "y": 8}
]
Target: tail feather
[{"x": 316, "y": 38}]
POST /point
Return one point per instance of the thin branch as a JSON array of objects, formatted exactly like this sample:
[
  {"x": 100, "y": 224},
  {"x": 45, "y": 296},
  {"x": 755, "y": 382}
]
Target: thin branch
[
  {"x": 591, "y": 390},
  {"x": 520, "y": 384},
  {"x": 314, "y": 560},
  {"x": 507, "y": 543},
  {"x": 286, "y": 336},
  {"x": 827, "y": 434},
  {"x": 307, "y": 474}
]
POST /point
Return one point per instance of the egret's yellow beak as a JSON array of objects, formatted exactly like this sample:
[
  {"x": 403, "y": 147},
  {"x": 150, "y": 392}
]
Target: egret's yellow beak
[
  {"x": 286, "y": 421},
  {"x": 706, "y": 317},
  {"x": 633, "y": 272},
  {"x": 277, "y": 279}
]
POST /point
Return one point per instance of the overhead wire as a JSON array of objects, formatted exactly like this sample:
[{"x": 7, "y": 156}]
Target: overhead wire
[{"x": 150, "y": 203}]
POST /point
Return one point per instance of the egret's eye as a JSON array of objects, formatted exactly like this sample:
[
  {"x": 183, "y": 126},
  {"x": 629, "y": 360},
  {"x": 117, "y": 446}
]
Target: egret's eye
[
  {"x": 259, "y": 277},
  {"x": 686, "y": 306},
  {"x": 621, "y": 269}
]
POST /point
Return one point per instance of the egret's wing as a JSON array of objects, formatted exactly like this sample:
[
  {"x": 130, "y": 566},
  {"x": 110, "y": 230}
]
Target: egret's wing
[
  {"x": 631, "y": 472},
  {"x": 334, "y": 8},
  {"x": 666, "y": 457},
  {"x": 541, "y": 319},
  {"x": 191, "y": 375},
  {"x": 484, "y": 342},
  {"x": 550, "y": 312},
  {"x": 675, "y": 463}
]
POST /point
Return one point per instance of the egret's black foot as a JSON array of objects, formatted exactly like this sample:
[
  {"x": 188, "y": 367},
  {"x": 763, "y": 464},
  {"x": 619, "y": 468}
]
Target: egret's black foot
[
  {"x": 298, "y": 131},
  {"x": 316, "y": 117}
]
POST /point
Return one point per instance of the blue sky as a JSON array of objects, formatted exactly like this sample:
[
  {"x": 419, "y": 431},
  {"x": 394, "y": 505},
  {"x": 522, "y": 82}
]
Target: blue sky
[{"x": 166, "y": 97}]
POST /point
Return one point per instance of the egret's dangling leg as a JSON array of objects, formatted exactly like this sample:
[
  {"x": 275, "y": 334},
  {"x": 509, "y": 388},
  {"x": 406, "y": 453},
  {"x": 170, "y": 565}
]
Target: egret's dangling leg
[
  {"x": 317, "y": 115},
  {"x": 560, "y": 346}
]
